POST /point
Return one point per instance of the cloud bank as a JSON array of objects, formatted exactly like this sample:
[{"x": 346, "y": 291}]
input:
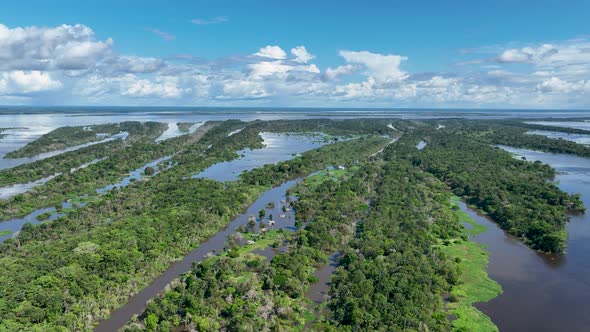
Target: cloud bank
[{"x": 67, "y": 63}]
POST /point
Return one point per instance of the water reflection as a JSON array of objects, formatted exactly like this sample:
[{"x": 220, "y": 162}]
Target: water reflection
[
  {"x": 174, "y": 131},
  {"x": 12, "y": 145},
  {"x": 421, "y": 145},
  {"x": 577, "y": 138},
  {"x": 14, "y": 225},
  {"x": 15, "y": 189},
  {"x": 137, "y": 303},
  {"x": 542, "y": 292},
  {"x": 278, "y": 147},
  {"x": 584, "y": 125}
]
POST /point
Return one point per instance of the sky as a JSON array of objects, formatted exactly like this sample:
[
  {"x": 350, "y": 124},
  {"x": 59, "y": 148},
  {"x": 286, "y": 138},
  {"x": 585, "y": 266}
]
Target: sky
[{"x": 395, "y": 54}]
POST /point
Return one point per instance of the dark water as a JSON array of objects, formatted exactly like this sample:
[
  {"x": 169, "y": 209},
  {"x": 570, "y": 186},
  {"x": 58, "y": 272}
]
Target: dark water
[
  {"x": 543, "y": 292},
  {"x": 269, "y": 252},
  {"x": 318, "y": 291},
  {"x": 137, "y": 304}
]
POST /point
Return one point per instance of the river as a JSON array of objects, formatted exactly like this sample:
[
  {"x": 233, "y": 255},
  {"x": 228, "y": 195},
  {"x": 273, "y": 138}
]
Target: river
[
  {"x": 28, "y": 123},
  {"x": 136, "y": 305},
  {"x": 542, "y": 292},
  {"x": 277, "y": 148}
]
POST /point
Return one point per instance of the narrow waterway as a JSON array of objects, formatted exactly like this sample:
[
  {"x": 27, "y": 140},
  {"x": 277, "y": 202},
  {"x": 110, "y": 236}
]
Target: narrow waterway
[
  {"x": 542, "y": 292},
  {"x": 174, "y": 131},
  {"x": 318, "y": 291},
  {"x": 136, "y": 305},
  {"x": 13, "y": 141},
  {"x": 20, "y": 188},
  {"x": 14, "y": 225}
]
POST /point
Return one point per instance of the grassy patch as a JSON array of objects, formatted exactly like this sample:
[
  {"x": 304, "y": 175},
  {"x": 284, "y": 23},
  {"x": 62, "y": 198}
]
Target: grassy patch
[
  {"x": 44, "y": 216},
  {"x": 475, "y": 284},
  {"x": 322, "y": 176},
  {"x": 465, "y": 218},
  {"x": 3, "y": 233},
  {"x": 261, "y": 241}
]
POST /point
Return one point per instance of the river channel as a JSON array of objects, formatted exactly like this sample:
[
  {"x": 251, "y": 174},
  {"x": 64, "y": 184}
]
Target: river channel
[{"x": 542, "y": 292}]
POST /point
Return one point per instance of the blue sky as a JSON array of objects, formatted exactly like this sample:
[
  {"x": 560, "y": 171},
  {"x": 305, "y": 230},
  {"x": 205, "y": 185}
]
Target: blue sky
[{"x": 481, "y": 54}]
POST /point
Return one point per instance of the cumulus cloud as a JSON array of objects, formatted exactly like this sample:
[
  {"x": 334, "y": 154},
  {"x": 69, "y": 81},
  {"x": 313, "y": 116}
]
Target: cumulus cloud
[
  {"x": 63, "y": 47},
  {"x": 569, "y": 60},
  {"x": 271, "y": 52},
  {"x": 333, "y": 73},
  {"x": 270, "y": 68},
  {"x": 527, "y": 54},
  {"x": 161, "y": 87},
  {"x": 383, "y": 68},
  {"x": 555, "y": 84},
  {"x": 72, "y": 64},
  {"x": 135, "y": 64},
  {"x": 301, "y": 54},
  {"x": 20, "y": 82}
]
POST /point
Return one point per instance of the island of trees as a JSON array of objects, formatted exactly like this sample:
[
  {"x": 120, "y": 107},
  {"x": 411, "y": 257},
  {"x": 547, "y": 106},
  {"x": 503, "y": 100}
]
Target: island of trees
[{"x": 405, "y": 259}]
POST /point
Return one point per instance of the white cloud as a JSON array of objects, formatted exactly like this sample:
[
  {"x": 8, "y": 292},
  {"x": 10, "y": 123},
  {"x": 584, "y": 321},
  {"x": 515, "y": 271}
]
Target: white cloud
[
  {"x": 270, "y": 68},
  {"x": 63, "y": 47},
  {"x": 527, "y": 54},
  {"x": 161, "y": 87},
  {"x": 135, "y": 64},
  {"x": 243, "y": 89},
  {"x": 75, "y": 67},
  {"x": 554, "y": 84},
  {"x": 271, "y": 52},
  {"x": 383, "y": 68},
  {"x": 333, "y": 73},
  {"x": 20, "y": 82},
  {"x": 301, "y": 54},
  {"x": 570, "y": 59}
]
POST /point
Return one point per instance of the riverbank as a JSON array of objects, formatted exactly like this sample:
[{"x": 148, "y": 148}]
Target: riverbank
[{"x": 476, "y": 286}]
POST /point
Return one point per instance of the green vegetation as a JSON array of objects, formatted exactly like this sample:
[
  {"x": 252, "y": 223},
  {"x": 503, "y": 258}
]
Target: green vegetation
[
  {"x": 44, "y": 216},
  {"x": 122, "y": 159},
  {"x": 391, "y": 278},
  {"x": 3, "y": 233},
  {"x": 184, "y": 126},
  {"x": 325, "y": 175},
  {"x": 514, "y": 193},
  {"x": 2, "y": 130},
  {"x": 238, "y": 291},
  {"x": 514, "y": 133},
  {"x": 347, "y": 153},
  {"x": 130, "y": 235},
  {"x": 398, "y": 256},
  {"x": 65, "y": 137},
  {"x": 140, "y": 135},
  {"x": 474, "y": 284}
]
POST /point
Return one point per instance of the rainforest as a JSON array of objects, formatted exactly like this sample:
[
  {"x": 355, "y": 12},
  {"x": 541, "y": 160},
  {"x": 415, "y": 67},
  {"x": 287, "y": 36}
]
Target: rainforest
[{"x": 322, "y": 223}]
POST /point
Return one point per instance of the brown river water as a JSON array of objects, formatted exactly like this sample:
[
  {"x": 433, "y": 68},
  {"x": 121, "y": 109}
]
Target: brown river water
[
  {"x": 542, "y": 292},
  {"x": 137, "y": 304}
]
